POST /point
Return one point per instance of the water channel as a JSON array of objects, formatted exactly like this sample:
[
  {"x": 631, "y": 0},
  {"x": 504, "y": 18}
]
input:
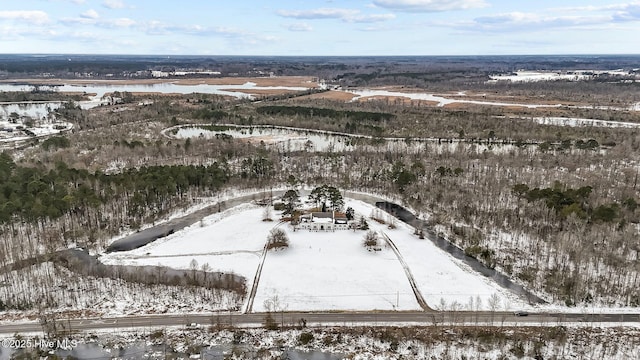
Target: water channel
[
  {"x": 287, "y": 139},
  {"x": 499, "y": 278},
  {"x": 39, "y": 109},
  {"x": 142, "y": 350}
]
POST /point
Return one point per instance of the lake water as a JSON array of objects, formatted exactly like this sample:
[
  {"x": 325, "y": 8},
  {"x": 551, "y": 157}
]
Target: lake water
[
  {"x": 140, "y": 350},
  {"x": 164, "y": 88},
  {"x": 32, "y": 110},
  {"x": 292, "y": 139},
  {"x": 40, "y": 109}
]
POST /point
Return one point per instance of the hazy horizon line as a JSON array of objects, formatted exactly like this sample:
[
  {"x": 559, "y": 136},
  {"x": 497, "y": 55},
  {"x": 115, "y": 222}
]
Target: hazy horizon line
[{"x": 302, "y": 56}]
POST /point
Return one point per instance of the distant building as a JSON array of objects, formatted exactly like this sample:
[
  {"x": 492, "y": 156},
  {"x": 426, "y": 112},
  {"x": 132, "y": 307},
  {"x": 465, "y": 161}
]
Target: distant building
[{"x": 323, "y": 221}]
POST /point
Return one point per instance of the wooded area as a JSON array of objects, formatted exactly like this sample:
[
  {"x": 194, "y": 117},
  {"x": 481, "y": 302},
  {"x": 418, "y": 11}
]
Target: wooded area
[{"x": 555, "y": 207}]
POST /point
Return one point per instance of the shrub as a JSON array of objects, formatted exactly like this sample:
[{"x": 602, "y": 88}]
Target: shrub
[
  {"x": 305, "y": 338},
  {"x": 269, "y": 322},
  {"x": 363, "y": 225},
  {"x": 277, "y": 239},
  {"x": 370, "y": 240},
  {"x": 56, "y": 142}
]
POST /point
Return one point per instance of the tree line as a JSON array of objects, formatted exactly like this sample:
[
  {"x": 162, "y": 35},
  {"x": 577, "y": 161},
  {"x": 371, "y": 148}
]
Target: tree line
[
  {"x": 283, "y": 110},
  {"x": 36, "y": 193}
]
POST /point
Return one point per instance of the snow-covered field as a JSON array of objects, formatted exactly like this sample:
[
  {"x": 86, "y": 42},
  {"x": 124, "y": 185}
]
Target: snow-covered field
[
  {"x": 445, "y": 282},
  {"x": 441, "y": 101},
  {"x": 39, "y": 130},
  {"x": 230, "y": 241},
  {"x": 535, "y": 76},
  {"x": 333, "y": 271},
  {"x": 323, "y": 270},
  {"x": 574, "y": 122}
]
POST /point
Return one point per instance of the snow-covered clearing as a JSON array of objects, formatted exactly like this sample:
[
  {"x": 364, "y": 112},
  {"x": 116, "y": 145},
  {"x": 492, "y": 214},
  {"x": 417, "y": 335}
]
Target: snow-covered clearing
[
  {"x": 201, "y": 203},
  {"x": 444, "y": 281},
  {"x": 333, "y": 271},
  {"x": 574, "y": 122},
  {"x": 535, "y": 76},
  {"x": 63, "y": 290},
  {"x": 322, "y": 270},
  {"x": 442, "y": 101},
  {"x": 230, "y": 241}
]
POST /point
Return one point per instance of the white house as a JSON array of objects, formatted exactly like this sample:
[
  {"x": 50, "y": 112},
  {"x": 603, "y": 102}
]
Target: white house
[{"x": 323, "y": 221}]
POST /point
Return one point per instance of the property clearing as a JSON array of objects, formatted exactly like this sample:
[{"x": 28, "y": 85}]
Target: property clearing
[{"x": 323, "y": 270}]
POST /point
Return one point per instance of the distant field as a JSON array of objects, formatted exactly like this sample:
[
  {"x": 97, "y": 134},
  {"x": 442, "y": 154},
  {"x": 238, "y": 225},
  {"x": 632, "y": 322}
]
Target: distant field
[{"x": 302, "y": 81}]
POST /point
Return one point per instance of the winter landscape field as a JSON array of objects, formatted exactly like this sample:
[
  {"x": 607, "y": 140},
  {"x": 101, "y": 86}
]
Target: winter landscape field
[
  {"x": 324, "y": 270},
  {"x": 318, "y": 207}
]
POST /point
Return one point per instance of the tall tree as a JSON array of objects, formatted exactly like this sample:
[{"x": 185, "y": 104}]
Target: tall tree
[{"x": 290, "y": 198}]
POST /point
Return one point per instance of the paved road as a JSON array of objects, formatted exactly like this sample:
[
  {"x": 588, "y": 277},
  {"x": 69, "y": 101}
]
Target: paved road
[{"x": 328, "y": 319}]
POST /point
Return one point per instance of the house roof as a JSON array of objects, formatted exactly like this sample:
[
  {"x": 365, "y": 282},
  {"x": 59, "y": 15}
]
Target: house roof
[{"x": 325, "y": 214}]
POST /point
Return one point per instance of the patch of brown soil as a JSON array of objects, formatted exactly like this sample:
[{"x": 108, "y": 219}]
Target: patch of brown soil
[
  {"x": 330, "y": 95},
  {"x": 399, "y": 100},
  {"x": 265, "y": 92},
  {"x": 298, "y": 81}
]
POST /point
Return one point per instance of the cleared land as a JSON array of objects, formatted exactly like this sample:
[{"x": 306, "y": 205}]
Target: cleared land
[
  {"x": 303, "y": 81},
  {"x": 322, "y": 270}
]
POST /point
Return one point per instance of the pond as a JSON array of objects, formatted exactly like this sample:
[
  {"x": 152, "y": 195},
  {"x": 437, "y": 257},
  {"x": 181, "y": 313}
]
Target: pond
[
  {"x": 164, "y": 88},
  {"x": 140, "y": 350},
  {"x": 32, "y": 110},
  {"x": 39, "y": 109},
  {"x": 288, "y": 139}
]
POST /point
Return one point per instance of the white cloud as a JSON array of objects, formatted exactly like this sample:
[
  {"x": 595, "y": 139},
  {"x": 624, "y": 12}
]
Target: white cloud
[
  {"x": 371, "y": 18},
  {"x": 232, "y": 35},
  {"x": 121, "y": 22},
  {"x": 30, "y": 16},
  {"x": 77, "y": 2},
  {"x": 301, "y": 27},
  {"x": 577, "y": 17},
  {"x": 596, "y": 8},
  {"x": 429, "y": 5},
  {"x": 90, "y": 14},
  {"x": 113, "y": 4},
  {"x": 322, "y": 13},
  {"x": 628, "y": 13},
  {"x": 346, "y": 15},
  {"x": 87, "y": 19},
  {"x": 584, "y": 18},
  {"x": 517, "y": 21}
]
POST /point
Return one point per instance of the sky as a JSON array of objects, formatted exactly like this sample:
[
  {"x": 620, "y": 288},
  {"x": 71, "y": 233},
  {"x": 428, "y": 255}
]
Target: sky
[{"x": 320, "y": 27}]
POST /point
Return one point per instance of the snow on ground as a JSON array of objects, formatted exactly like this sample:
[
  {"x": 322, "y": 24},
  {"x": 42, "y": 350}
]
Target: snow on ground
[
  {"x": 574, "y": 122},
  {"x": 321, "y": 270},
  {"x": 534, "y": 76},
  {"x": 68, "y": 291},
  {"x": 333, "y": 271},
  {"x": 230, "y": 241},
  {"x": 226, "y": 195},
  {"x": 438, "y": 275},
  {"x": 442, "y": 101}
]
